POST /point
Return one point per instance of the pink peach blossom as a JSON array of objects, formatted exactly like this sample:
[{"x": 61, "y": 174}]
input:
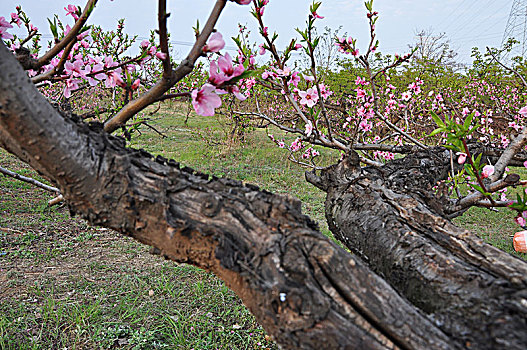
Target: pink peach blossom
[
  {"x": 74, "y": 69},
  {"x": 462, "y": 157},
  {"x": 205, "y": 100},
  {"x": 16, "y": 19},
  {"x": 161, "y": 55},
  {"x": 222, "y": 70},
  {"x": 72, "y": 10},
  {"x": 283, "y": 72},
  {"x": 145, "y": 44},
  {"x": 135, "y": 84},
  {"x": 71, "y": 85},
  {"x": 308, "y": 78},
  {"x": 309, "y": 97},
  {"x": 487, "y": 171},
  {"x": 309, "y": 129},
  {"x": 215, "y": 44},
  {"x": 295, "y": 79},
  {"x": 4, "y": 25}
]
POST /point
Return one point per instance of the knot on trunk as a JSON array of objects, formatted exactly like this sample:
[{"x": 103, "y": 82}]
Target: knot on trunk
[
  {"x": 342, "y": 173},
  {"x": 23, "y": 55}
]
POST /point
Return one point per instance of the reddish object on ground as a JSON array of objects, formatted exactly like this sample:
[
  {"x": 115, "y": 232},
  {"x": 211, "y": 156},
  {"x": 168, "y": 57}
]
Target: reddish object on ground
[{"x": 520, "y": 241}]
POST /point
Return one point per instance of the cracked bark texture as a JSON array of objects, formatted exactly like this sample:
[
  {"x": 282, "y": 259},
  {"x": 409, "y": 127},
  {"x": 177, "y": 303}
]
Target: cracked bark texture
[
  {"x": 303, "y": 289},
  {"x": 472, "y": 291}
]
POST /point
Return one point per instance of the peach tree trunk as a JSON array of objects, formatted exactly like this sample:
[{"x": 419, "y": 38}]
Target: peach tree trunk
[{"x": 472, "y": 291}]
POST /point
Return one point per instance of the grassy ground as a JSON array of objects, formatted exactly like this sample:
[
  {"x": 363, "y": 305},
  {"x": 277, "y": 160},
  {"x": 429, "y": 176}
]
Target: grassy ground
[{"x": 66, "y": 285}]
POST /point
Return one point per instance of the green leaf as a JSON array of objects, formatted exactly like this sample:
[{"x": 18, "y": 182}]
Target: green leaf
[
  {"x": 478, "y": 188},
  {"x": 477, "y": 161},
  {"x": 237, "y": 41},
  {"x": 435, "y": 132},
  {"x": 53, "y": 27},
  {"x": 472, "y": 129},
  {"x": 469, "y": 170},
  {"x": 246, "y": 74},
  {"x": 447, "y": 119},
  {"x": 452, "y": 147},
  {"x": 438, "y": 120},
  {"x": 468, "y": 121},
  {"x": 303, "y": 34}
]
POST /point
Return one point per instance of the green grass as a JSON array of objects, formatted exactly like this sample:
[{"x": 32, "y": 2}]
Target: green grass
[{"x": 64, "y": 284}]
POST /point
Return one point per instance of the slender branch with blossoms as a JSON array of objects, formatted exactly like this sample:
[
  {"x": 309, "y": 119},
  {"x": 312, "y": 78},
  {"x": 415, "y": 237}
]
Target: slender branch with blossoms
[
  {"x": 318, "y": 124},
  {"x": 68, "y": 37},
  {"x": 205, "y": 99}
]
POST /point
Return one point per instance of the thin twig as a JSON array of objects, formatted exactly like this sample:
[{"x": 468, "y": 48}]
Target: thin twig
[
  {"x": 476, "y": 171},
  {"x": 514, "y": 147},
  {"x": 272, "y": 121},
  {"x": 31, "y": 35},
  {"x": 170, "y": 96},
  {"x": 508, "y": 68},
  {"x": 29, "y": 180},
  {"x": 476, "y": 197},
  {"x": 399, "y": 130},
  {"x": 162, "y": 16}
]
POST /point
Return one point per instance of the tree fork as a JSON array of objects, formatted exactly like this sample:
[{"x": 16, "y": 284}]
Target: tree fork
[{"x": 473, "y": 291}]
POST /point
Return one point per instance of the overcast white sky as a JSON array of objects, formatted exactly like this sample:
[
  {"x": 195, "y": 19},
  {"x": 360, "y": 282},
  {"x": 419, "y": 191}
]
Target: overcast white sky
[{"x": 467, "y": 23}]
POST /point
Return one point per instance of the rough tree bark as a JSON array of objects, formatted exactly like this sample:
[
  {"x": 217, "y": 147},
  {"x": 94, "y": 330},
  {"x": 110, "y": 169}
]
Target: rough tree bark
[
  {"x": 304, "y": 290},
  {"x": 474, "y": 292}
]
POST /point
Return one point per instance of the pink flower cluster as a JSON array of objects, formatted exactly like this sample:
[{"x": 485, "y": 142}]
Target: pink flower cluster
[
  {"x": 521, "y": 219},
  {"x": 347, "y": 46},
  {"x": 221, "y": 74},
  {"x": 310, "y": 153},
  {"x": 83, "y": 67},
  {"x": 384, "y": 155},
  {"x": 151, "y": 50},
  {"x": 280, "y": 143},
  {"x": 73, "y": 11},
  {"x": 296, "y": 145},
  {"x": 16, "y": 19},
  {"x": 93, "y": 70}
]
